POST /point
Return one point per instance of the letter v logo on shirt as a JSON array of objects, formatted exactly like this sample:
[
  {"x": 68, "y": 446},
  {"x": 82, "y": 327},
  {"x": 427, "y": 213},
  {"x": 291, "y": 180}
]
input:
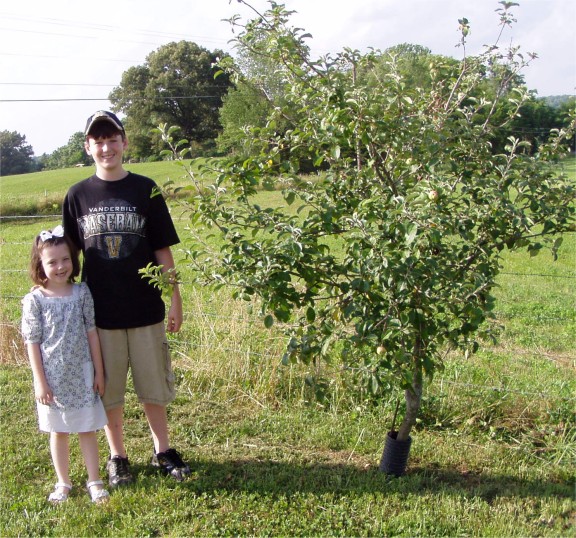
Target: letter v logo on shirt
[{"x": 113, "y": 243}]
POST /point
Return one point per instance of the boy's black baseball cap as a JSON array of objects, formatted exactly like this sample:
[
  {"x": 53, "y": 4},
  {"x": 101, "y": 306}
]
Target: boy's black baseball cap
[{"x": 103, "y": 115}]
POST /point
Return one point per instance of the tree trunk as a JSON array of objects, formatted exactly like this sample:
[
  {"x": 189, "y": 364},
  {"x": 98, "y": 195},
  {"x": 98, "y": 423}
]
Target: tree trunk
[{"x": 413, "y": 398}]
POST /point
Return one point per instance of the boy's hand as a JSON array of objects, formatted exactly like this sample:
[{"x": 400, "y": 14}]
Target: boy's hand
[{"x": 175, "y": 314}]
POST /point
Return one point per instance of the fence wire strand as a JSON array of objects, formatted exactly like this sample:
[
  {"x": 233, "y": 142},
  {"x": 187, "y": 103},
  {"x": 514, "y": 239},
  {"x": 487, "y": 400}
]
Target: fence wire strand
[{"x": 180, "y": 344}]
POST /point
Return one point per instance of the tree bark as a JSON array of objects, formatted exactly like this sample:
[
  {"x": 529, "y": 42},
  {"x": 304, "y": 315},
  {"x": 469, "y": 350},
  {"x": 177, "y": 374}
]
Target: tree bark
[{"x": 413, "y": 398}]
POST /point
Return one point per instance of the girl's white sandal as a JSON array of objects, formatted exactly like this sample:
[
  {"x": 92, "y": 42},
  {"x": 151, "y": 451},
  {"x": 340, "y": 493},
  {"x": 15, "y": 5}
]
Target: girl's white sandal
[
  {"x": 60, "y": 496},
  {"x": 97, "y": 495}
]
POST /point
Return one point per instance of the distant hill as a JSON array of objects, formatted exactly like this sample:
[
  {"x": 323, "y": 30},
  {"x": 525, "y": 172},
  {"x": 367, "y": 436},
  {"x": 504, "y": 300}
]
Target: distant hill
[{"x": 557, "y": 100}]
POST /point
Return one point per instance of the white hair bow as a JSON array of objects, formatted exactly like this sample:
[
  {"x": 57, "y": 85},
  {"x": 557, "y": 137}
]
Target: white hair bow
[{"x": 56, "y": 232}]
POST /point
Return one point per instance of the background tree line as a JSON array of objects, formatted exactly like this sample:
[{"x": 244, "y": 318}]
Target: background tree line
[{"x": 180, "y": 84}]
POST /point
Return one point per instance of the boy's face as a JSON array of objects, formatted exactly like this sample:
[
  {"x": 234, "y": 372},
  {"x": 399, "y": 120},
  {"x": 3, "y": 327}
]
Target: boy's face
[{"x": 106, "y": 150}]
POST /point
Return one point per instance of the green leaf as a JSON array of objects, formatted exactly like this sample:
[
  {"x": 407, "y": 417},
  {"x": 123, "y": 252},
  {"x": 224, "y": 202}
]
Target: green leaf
[
  {"x": 374, "y": 384},
  {"x": 310, "y": 314},
  {"x": 411, "y": 233}
]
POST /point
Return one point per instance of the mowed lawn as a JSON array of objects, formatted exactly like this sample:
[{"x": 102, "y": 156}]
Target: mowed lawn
[{"x": 494, "y": 453}]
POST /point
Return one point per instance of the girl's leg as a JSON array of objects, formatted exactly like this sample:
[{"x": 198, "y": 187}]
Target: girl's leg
[
  {"x": 89, "y": 448},
  {"x": 60, "y": 451}
]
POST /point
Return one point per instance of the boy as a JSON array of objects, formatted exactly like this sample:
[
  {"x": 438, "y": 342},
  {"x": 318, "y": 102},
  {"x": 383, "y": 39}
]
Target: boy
[{"x": 121, "y": 223}]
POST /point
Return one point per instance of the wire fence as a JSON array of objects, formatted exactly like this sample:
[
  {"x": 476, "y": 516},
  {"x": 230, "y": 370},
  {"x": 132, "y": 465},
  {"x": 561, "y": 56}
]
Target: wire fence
[{"x": 186, "y": 346}]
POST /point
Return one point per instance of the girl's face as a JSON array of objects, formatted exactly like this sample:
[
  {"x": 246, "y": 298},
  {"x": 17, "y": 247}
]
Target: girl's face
[{"x": 57, "y": 263}]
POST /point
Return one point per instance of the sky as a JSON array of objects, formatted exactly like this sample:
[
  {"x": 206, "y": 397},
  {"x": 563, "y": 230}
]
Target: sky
[{"x": 60, "y": 59}]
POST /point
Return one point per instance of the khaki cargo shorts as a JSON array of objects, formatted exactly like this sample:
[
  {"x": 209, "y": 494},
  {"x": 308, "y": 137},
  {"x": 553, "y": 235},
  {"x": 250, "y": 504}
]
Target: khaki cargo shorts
[{"x": 143, "y": 350}]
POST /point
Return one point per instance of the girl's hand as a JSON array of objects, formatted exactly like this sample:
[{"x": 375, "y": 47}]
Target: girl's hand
[
  {"x": 43, "y": 394},
  {"x": 99, "y": 384}
]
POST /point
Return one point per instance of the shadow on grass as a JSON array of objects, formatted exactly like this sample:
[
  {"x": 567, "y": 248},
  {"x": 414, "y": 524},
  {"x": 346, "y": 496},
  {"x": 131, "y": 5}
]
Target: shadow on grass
[{"x": 266, "y": 477}]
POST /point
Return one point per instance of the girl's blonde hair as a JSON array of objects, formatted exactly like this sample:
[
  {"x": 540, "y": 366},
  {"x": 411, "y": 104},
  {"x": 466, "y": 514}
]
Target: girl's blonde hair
[{"x": 36, "y": 270}]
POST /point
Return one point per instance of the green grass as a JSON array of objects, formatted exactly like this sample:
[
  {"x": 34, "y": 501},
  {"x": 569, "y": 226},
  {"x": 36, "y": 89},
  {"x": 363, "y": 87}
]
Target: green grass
[
  {"x": 286, "y": 469},
  {"x": 26, "y": 194},
  {"x": 494, "y": 452}
]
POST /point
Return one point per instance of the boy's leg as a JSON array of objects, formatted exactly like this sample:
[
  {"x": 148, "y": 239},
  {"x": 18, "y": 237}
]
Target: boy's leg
[
  {"x": 166, "y": 458},
  {"x": 154, "y": 384},
  {"x": 116, "y": 357},
  {"x": 115, "y": 431},
  {"x": 118, "y": 464},
  {"x": 115, "y": 352},
  {"x": 151, "y": 365},
  {"x": 158, "y": 422}
]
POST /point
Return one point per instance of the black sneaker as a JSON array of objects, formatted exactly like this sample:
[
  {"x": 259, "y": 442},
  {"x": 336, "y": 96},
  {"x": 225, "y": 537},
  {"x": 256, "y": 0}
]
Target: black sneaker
[
  {"x": 118, "y": 472},
  {"x": 171, "y": 463}
]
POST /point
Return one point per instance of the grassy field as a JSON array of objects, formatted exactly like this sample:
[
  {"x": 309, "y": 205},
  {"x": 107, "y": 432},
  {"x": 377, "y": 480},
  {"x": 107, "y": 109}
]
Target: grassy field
[
  {"x": 494, "y": 453},
  {"x": 28, "y": 194}
]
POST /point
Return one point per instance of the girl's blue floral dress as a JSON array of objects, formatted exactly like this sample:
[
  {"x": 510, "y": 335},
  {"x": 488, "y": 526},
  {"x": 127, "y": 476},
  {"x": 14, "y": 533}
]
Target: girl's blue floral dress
[{"x": 59, "y": 325}]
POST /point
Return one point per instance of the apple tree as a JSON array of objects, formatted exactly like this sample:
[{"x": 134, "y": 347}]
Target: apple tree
[{"x": 388, "y": 256}]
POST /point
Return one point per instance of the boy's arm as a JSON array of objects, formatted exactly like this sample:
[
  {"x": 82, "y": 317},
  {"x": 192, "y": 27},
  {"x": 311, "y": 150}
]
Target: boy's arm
[
  {"x": 69, "y": 222},
  {"x": 175, "y": 315},
  {"x": 96, "y": 354},
  {"x": 42, "y": 391}
]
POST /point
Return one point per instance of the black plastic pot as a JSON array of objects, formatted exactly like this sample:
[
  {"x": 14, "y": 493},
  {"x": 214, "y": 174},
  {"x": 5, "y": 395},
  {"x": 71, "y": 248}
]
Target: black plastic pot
[{"x": 395, "y": 456}]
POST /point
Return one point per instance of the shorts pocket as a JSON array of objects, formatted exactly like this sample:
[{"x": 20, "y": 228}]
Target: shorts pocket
[{"x": 169, "y": 373}]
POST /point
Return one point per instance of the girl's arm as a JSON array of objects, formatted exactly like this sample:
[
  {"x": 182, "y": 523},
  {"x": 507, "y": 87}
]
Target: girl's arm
[
  {"x": 96, "y": 353},
  {"x": 42, "y": 391},
  {"x": 175, "y": 314}
]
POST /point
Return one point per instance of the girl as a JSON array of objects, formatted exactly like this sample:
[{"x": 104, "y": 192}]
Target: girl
[{"x": 64, "y": 352}]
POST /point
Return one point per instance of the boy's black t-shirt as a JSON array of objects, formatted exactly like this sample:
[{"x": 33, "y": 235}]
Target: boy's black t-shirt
[{"x": 118, "y": 225}]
